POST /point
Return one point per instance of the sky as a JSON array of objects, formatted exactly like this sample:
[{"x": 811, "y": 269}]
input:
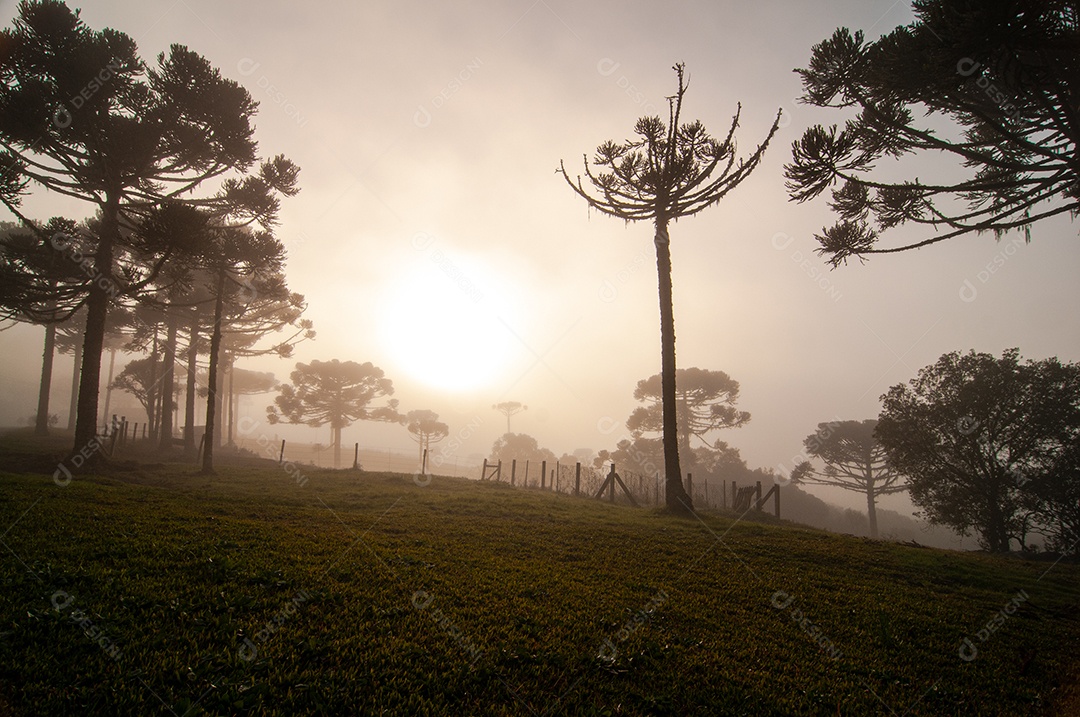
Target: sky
[{"x": 433, "y": 237}]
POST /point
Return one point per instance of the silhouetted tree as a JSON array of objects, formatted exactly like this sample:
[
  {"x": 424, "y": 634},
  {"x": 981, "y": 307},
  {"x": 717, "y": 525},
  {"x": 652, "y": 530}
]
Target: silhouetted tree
[
  {"x": 336, "y": 393},
  {"x": 973, "y": 431},
  {"x": 1004, "y": 75},
  {"x": 508, "y": 409},
  {"x": 1056, "y": 504},
  {"x": 142, "y": 379},
  {"x": 663, "y": 175},
  {"x": 41, "y": 285},
  {"x": 854, "y": 460},
  {"x": 425, "y": 428},
  {"x": 141, "y": 136},
  {"x": 243, "y": 382},
  {"x": 521, "y": 447},
  {"x": 704, "y": 399}
]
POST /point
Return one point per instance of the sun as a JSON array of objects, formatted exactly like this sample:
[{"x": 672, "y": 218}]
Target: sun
[{"x": 442, "y": 329}]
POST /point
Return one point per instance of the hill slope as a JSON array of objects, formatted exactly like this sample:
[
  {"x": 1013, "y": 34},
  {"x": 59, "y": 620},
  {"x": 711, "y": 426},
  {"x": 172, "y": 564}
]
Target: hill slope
[{"x": 256, "y": 592}]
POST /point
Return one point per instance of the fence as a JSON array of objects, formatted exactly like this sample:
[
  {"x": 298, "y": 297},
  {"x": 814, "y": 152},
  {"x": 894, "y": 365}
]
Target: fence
[{"x": 627, "y": 486}]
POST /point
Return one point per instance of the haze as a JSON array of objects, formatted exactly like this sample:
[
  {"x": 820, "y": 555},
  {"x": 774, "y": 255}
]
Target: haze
[{"x": 433, "y": 238}]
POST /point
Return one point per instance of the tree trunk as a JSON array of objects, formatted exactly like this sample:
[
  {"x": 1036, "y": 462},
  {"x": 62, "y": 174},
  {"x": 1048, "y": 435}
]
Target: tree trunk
[
  {"x": 337, "y": 446},
  {"x": 212, "y": 379},
  {"x": 677, "y": 499},
  {"x": 108, "y": 386},
  {"x": 41, "y": 423},
  {"x": 73, "y": 410},
  {"x": 996, "y": 536},
  {"x": 168, "y": 385},
  {"x": 219, "y": 399},
  {"x": 232, "y": 402},
  {"x": 97, "y": 310},
  {"x": 189, "y": 396},
  {"x": 152, "y": 389},
  {"x": 871, "y": 510}
]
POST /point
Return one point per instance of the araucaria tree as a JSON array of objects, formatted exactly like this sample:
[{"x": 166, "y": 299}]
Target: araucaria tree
[
  {"x": 508, "y": 409},
  {"x": 986, "y": 443},
  {"x": 132, "y": 137},
  {"x": 336, "y": 393},
  {"x": 705, "y": 402},
  {"x": 1003, "y": 75},
  {"x": 668, "y": 171},
  {"x": 425, "y": 428},
  {"x": 854, "y": 460}
]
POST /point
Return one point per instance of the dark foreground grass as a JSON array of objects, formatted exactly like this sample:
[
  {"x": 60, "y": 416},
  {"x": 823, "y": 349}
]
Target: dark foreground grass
[{"x": 157, "y": 591}]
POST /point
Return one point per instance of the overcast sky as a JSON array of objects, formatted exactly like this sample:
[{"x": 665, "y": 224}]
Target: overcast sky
[{"x": 433, "y": 237}]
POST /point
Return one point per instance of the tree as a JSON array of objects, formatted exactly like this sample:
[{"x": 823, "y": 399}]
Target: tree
[
  {"x": 509, "y": 408},
  {"x": 336, "y": 393},
  {"x": 520, "y": 447},
  {"x": 1057, "y": 502},
  {"x": 135, "y": 137},
  {"x": 1003, "y": 75},
  {"x": 704, "y": 399},
  {"x": 425, "y": 428},
  {"x": 972, "y": 432},
  {"x": 41, "y": 285},
  {"x": 142, "y": 379},
  {"x": 243, "y": 382},
  {"x": 663, "y": 175},
  {"x": 854, "y": 460}
]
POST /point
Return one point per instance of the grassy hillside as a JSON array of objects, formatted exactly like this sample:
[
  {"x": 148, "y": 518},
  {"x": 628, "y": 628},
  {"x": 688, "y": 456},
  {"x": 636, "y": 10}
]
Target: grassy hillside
[{"x": 153, "y": 589}]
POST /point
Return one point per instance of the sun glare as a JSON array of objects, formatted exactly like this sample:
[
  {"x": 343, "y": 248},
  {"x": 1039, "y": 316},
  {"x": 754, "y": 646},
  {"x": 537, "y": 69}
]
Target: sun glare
[{"x": 441, "y": 329}]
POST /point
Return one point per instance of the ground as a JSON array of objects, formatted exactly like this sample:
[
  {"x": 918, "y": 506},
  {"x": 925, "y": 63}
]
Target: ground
[{"x": 149, "y": 589}]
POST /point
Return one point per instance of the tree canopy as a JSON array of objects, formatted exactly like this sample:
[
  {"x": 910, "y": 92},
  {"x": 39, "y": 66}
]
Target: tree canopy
[
  {"x": 705, "y": 402},
  {"x": 337, "y": 393},
  {"x": 1002, "y": 78},
  {"x": 854, "y": 460},
  {"x": 82, "y": 115},
  {"x": 985, "y": 441},
  {"x": 670, "y": 170}
]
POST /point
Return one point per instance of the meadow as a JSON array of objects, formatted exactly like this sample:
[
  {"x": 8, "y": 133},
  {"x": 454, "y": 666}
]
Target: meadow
[{"x": 150, "y": 589}]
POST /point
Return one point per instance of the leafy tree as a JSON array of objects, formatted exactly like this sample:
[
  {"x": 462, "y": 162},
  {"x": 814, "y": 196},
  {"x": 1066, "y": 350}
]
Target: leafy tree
[
  {"x": 854, "y": 460},
  {"x": 425, "y": 428},
  {"x": 1004, "y": 75},
  {"x": 141, "y": 136},
  {"x": 336, "y": 393},
  {"x": 521, "y": 447},
  {"x": 142, "y": 379},
  {"x": 508, "y": 409},
  {"x": 704, "y": 400},
  {"x": 1056, "y": 507},
  {"x": 972, "y": 432},
  {"x": 664, "y": 174}
]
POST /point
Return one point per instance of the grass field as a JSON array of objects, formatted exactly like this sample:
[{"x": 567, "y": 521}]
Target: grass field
[{"x": 153, "y": 590}]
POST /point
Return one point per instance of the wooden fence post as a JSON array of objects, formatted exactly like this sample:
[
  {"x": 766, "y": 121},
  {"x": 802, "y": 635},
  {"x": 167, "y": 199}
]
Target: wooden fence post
[
  {"x": 543, "y": 474},
  {"x": 526, "y": 473},
  {"x": 483, "y": 471},
  {"x": 513, "y": 470},
  {"x": 281, "y": 456},
  {"x": 577, "y": 479}
]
